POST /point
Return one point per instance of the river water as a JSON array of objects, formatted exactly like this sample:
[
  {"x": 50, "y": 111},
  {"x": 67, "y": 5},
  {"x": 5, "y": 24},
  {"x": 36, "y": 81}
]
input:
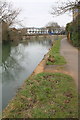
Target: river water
[{"x": 18, "y": 62}]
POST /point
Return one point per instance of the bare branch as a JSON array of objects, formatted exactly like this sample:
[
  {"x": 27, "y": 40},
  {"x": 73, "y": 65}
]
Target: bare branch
[
  {"x": 64, "y": 7},
  {"x": 7, "y": 13}
]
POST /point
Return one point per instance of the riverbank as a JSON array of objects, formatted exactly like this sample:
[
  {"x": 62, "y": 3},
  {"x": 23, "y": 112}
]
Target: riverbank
[
  {"x": 54, "y": 54},
  {"x": 45, "y": 95},
  {"x": 53, "y": 57}
]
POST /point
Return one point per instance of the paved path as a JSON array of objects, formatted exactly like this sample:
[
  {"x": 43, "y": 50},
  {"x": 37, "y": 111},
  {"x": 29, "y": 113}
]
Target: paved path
[{"x": 70, "y": 53}]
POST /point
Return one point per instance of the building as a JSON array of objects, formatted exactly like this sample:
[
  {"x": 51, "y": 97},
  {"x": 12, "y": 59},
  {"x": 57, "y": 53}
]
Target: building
[{"x": 33, "y": 30}]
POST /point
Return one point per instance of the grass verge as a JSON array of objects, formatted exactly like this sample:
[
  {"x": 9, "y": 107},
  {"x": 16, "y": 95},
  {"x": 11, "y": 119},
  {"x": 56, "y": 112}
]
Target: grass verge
[
  {"x": 45, "y": 95},
  {"x": 54, "y": 54}
]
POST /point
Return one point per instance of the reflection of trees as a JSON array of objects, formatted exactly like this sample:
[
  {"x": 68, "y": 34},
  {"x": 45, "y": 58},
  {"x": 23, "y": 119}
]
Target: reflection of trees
[
  {"x": 18, "y": 52},
  {"x": 43, "y": 41},
  {"x": 12, "y": 66},
  {"x": 10, "y": 63},
  {"x": 13, "y": 62},
  {"x": 6, "y": 48}
]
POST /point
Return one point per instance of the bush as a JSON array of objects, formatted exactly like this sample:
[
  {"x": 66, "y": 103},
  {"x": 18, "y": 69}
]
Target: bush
[{"x": 73, "y": 29}]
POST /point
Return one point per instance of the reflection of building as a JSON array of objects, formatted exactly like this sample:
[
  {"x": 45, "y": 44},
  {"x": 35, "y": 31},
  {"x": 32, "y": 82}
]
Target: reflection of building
[{"x": 76, "y": 11}]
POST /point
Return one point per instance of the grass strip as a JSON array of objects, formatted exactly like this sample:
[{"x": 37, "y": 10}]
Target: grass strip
[
  {"x": 55, "y": 54},
  {"x": 45, "y": 95}
]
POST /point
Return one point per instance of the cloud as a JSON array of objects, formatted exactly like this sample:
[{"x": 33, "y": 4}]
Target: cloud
[{"x": 37, "y": 12}]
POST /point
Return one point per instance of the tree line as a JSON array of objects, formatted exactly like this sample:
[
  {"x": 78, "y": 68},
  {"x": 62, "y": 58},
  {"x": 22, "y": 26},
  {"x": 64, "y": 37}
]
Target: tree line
[
  {"x": 73, "y": 27},
  {"x": 9, "y": 15}
]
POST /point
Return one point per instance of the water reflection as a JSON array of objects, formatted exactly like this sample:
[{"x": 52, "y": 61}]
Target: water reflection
[
  {"x": 6, "y": 48},
  {"x": 0, "y": 79},
  {"x": 19, "y": 62}
]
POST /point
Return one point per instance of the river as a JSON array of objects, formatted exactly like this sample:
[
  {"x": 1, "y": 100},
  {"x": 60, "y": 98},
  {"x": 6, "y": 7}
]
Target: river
[{"x": 18, "y": 62}]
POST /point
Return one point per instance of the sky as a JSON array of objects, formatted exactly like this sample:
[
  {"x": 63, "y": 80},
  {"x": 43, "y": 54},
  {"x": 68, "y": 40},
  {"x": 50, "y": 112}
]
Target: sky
[{"x": 36, "y": 13}]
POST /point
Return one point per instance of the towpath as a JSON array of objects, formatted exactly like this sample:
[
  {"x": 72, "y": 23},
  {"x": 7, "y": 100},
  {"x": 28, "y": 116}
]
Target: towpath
[{"x": 71, "y": 55}]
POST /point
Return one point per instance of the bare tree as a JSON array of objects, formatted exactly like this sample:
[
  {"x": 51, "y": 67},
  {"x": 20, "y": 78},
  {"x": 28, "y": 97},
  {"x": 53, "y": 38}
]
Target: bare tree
[
  {"x": 63, "y": 7},
  {"x": 53, "y": 25},
  {"x": 7, "y": 13}
]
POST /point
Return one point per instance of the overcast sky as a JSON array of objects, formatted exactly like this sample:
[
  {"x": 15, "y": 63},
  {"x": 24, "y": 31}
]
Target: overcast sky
[{"x": 36, "y": 13}]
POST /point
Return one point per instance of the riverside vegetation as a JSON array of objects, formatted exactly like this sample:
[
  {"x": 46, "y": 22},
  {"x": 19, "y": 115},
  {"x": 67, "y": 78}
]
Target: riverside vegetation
[
  {"x": 54, "y": 55},
  {"x": 46, "y": 95},
  {"x": 73, "y": 29}
]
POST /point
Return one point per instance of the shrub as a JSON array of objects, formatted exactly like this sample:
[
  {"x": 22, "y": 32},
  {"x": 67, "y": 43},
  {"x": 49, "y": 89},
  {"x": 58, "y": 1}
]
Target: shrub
[{"x": 73, "y": 28}]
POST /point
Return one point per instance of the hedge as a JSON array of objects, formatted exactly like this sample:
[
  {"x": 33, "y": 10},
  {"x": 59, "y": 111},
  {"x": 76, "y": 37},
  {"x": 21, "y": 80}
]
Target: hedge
[{"x": 73, "y": 28}]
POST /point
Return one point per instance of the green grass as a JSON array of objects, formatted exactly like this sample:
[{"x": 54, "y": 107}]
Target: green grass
[
  {"x": 45, "y": 95},
  {"x": 55, "y": 53}
]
